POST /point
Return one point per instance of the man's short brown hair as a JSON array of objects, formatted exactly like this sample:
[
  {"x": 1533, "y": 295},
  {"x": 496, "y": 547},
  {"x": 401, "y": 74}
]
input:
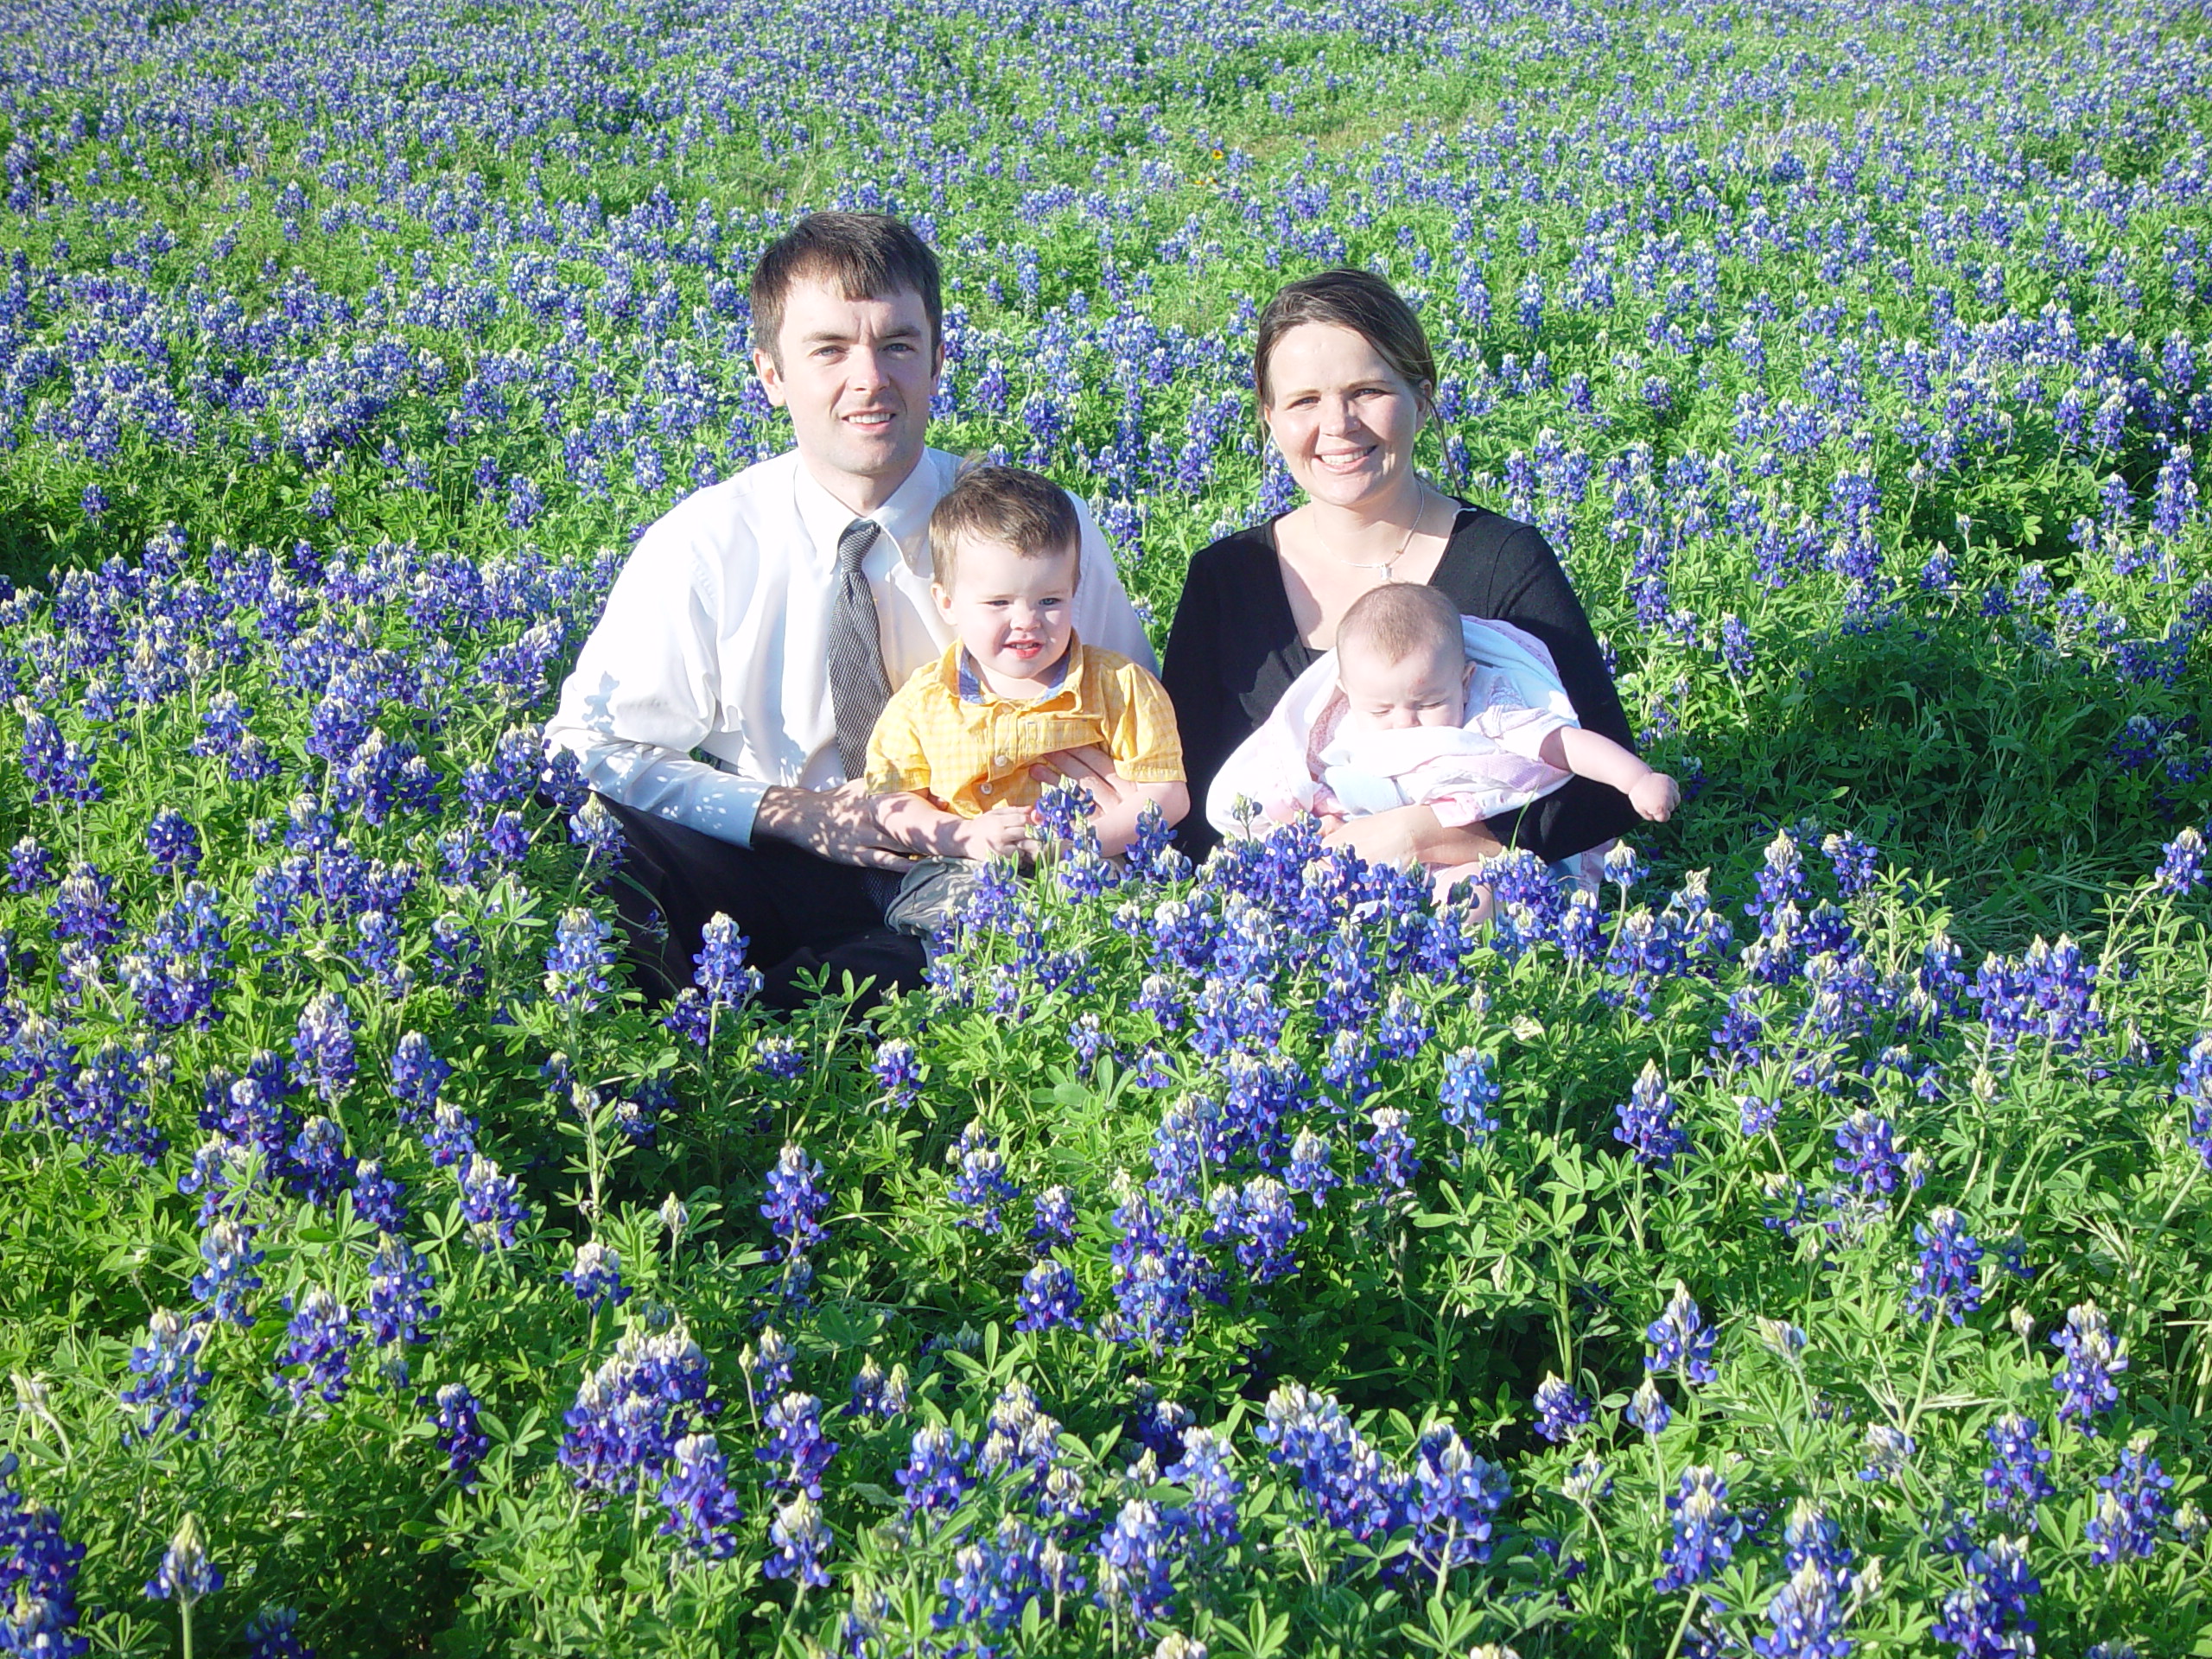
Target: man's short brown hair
[
  {"x": 1400, "y": 618},
  {"x": 1011, "y": 505},
  {"x": 863, "y": 256}
]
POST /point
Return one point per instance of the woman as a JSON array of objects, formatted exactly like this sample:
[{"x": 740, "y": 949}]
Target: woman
[{"x": 1344, "y": 376}]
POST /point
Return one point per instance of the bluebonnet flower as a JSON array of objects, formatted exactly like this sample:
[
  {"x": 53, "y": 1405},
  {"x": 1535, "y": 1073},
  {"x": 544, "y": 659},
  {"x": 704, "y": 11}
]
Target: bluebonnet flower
[
  {"x": 801, "y": 1538},
  {"x": 322, "y": 1048},
  {"x": 185, "y": 1574},
  {"x": 1648, "y": 1409},
  {"x": 1755, "y": 1116},
  {"x": 1735, "y": 650},
  {"x": 2015, "y": 1479},
  {"x": 1405, "y": 1030},
  {"x": 2181, "y": 872},
  {"x": 632, "y": 1410},
  {"x": 228, "y": 1250},
  {"x": 719, "y": 971},
  {"x": 1871, "y": 1157},
  {"x": 1049, "y": 1298},
  {"x": 1561, "y": 1408},
  {"x": 767, "y": 1362},
  {"x": 1391, "y": 1165},
  {"x": 1782, "y": 877},
  {"x": 1705, "y": 1532},
  {"x": 1156, "y": 1276},
  {"x": 1987, "y": 1618},
  {"x": 1889, "y": 1451},
  {"x": 30, "y": 866},
  {"x": 702, "y": 1511},
  {"x": 1264, "y": 1224},
  {"x": 459, "y": 1436},
  {"x": 1852, "y": 860},
  {"x": 1133, "y": 1556},
  {"x": 491, "y": 1204},
  {"x": 1207, "y": 1471},
  {"x": 2085, "y": 1381},
  {"x": 936, "y": 1471},
  {"x": 169, "y": 1375},
  {"x": 1648, "y": 1126},
  {"x": 317, "y": 1164},
  {"x": 1624, "y": 868},
  {"x": 779, "y": 1058},
  {"x": 399, "y": 1286},
  {"x": 898, "y": 1072},
  {"x": 1681, "y": 1339},
  {"x": 274, "y": 1633},
  {"x": 874, "y": 1394},
  {"x": 795, "y": 1203},
  {"x": 2193, "y": 1088},
  {"x": 1089, "y": 1039},
  {"x": 172, "y": 843},
  {"x": 1310, "y": 1170},
  {"x": 84, "y": 907},
  {"x": 596, "y": 1275},
  {"x": 1055, "y": 1221},
  {"x": 1805, "y": 1617},
  {"x": 2131, "y": 1504},
  {"x": 1157, "y": 997},
  {"x": 1945, "y": 1280},
  {"x": 38, "y": 1577},
  {"x": 980, "y": 1185},
  {"x": 576, "y": 961},
  {"x": 1180, "y": 1144},
  {"x": 1468, "y": 1094},
  {"x": 992, "y": 1582},
  {"x": 1452, "y": 1502},
  {"x": 320, "y": 1340},
  {"x": 1350, "y": 1486},
  {"x": 798, "y": 1444},
  {"x": 451, "y": 1137}
]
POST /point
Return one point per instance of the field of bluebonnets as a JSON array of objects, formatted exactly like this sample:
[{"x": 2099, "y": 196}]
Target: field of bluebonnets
[{"x": 1801, "y": 1251}]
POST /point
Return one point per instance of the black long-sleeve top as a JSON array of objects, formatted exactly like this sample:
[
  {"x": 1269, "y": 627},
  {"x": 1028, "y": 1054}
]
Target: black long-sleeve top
[{"x": 1233, "y": 649}]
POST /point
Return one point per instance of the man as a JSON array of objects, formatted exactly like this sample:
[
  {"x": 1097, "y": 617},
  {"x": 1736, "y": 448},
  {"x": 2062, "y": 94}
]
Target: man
[{"x": 762, "y": 622}]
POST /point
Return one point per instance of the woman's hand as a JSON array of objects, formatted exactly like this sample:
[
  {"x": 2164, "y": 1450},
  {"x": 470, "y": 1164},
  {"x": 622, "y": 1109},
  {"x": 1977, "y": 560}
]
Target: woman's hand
[{"x": 1411, "y": 835}]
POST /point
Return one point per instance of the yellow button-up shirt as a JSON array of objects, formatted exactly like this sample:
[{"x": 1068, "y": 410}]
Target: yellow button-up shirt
[{"x": 971, "y": 753}]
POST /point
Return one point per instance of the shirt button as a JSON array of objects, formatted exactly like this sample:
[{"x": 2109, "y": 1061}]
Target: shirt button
[
  {"x": 1005, "y": 760},
  {"x": 984, "y": 789}
]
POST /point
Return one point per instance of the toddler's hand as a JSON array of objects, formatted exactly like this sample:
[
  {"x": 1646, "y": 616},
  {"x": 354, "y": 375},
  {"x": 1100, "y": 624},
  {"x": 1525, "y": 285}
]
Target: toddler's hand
[
  {"x": 991, "y": 835},
  {"x": 1656, "y": 796}
]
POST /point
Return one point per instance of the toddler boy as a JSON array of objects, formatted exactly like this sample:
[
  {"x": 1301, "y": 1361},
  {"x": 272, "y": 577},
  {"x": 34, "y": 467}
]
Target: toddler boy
[{"x": 950, "y": 756}]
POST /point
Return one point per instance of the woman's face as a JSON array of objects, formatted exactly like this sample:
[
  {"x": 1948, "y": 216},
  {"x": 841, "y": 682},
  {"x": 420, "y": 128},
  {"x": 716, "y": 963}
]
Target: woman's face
[{"x": 1343, "y": 417}]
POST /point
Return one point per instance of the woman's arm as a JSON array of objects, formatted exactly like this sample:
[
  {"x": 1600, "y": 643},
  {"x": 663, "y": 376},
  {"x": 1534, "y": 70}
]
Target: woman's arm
[
  {"x": 1527, "y": 588},
  {"x": 1189, "y": 670}
]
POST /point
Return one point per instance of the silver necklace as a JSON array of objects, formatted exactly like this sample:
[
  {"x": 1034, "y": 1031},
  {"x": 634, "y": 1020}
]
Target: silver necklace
[{"x": 1386, "y": 566}]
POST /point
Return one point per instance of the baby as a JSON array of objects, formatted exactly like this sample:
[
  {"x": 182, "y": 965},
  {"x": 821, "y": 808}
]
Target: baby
[
  {"x": 950, "y": 756},
  {"x": 1418, "y": 705}
]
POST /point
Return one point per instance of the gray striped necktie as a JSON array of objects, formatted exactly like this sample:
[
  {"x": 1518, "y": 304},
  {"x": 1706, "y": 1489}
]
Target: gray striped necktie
[{"x": 858, "y": 688}]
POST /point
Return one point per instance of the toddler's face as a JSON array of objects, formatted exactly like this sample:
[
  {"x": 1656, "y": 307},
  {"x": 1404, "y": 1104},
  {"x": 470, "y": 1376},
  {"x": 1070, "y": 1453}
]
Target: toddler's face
[
  {"x": 1424, "y": 687},
  {"x": 1014, "y": 615}
]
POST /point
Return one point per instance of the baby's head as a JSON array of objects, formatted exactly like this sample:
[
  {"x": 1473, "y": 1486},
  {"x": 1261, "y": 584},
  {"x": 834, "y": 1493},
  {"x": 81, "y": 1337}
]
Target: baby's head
[
  {"x": 1401, "y": 659},
  {"x": 1008, "y": 549}
]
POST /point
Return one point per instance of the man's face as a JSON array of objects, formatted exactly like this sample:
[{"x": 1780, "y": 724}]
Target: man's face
[{"x": 857, "y": 375}]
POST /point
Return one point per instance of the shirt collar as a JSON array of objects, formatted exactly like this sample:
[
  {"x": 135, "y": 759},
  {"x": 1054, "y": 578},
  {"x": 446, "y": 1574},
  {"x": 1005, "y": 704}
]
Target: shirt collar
[
  {"x": 960, "y": 673},
  {"x": 904, "y": 517}
]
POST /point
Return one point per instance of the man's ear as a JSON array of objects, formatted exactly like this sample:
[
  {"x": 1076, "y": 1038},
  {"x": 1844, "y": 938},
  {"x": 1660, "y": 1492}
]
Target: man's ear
[{"x": 771, "y": 376}]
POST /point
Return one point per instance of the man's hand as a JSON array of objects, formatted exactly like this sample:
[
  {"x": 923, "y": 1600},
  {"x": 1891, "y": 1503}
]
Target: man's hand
[
  {"x": 838, "y": 824},
  {"x": 1091, "y": 767},
  {"x": 990, "y": 834},
  {"x": 1656, "y": 796},
  {"x": 1411, "y": 835}
]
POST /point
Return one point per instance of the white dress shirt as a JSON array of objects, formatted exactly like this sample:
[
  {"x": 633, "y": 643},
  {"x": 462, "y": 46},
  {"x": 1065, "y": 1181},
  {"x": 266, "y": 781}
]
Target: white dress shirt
[{"x": 716, "y": 638}]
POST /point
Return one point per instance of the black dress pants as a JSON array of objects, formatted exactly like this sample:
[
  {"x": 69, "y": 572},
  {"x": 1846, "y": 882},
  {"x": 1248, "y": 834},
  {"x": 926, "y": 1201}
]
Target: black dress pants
[{"x": 800, "y": 914}]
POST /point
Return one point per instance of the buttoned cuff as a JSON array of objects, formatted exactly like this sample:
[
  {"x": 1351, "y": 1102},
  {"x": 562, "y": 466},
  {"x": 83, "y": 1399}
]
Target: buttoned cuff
[{"x": 723, "y": 806}]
